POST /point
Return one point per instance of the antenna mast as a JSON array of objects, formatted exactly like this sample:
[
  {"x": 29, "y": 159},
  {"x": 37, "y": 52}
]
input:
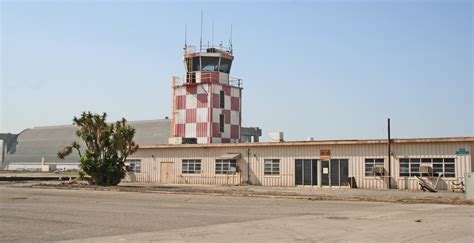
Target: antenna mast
[
  {"x": 200, "y": 42},
  {"x": 230, "y": 41},
  {"x": 212, "y": 42},
  {"x": 185, "y": 35}
]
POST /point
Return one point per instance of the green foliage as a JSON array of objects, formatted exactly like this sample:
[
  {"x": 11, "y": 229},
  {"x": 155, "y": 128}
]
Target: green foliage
[
  {"x": 107, "y": 146},
  {"x": 82, "y": 175}
]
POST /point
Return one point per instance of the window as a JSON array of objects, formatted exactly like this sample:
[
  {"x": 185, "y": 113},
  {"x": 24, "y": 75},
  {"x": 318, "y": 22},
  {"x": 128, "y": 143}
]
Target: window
[
  {"x": 225, "y": 65},
  {"x": 411, "y": 166},
  {"x": 374, "y": 167},
  {"x": 226, "y": 166},
  {"x": 210, "y": 64},
  {"x": 133, "y": 165},
  {"x": 191, "y": 166},
  {"x": 415, "y": 167},
  {"x": 192, "y": 64},
  {"x": 221, "y": 122},
  {"x": 272, "y": 167},
  {"x": 222, "y": 99}
]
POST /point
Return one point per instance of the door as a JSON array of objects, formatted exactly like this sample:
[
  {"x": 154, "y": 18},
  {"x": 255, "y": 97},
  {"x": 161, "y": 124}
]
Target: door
[
  {"x": 335, "y": 172},
  {"x": 306, "y": 172},
  {"x": 325, "y": 172},
  {"x": 344, "y": 170},
  {"x": 167, "y": 172},
  {"x": 339, "y": 172},
  {"x": 298, "y": 172}
]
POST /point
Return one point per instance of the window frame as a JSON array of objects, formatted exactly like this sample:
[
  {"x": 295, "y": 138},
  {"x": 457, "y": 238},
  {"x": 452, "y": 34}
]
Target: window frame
[
  {"x": 221, "y": 123},
  {"x": 134, "y": 162},
  {"x": 221, "y": 99},
  {"x": 194, "y": 163},
  {"x": 438, "y": 164},
  {"x": 272, "y": 163},
  {"x": 225, "y": 163},
  {"x": 211, "y": 61},
  {"x": 221, "y": 65},
  {"x": 374, "y": 163}
]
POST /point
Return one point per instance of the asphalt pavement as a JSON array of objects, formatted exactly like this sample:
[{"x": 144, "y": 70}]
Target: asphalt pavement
[{"x": 49, "y": 214}]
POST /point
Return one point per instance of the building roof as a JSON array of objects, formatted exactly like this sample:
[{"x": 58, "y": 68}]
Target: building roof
[
  {"x": 36, "y": 143},
  {"x": 317, "y": 142}
]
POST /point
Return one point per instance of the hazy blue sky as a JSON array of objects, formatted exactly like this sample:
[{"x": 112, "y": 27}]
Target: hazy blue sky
[{"x": 317, "y": 69}]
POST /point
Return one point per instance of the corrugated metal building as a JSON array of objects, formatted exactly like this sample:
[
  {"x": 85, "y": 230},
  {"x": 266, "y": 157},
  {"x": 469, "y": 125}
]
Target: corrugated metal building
[
  {"x": 26, "y": 151},
  {"x": 335, "y": 163}
]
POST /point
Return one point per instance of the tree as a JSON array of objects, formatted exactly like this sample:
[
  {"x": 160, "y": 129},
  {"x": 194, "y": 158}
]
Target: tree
[{"x": 107, "y": 146}]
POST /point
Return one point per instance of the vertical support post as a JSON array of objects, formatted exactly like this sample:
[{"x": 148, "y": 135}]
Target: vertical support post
[
  {"x": 173, "y": 122},
  {"x": 2, "y": 152},
  {"x": 320, "y": 174},
  {"x": 200, "y": 42},
  {"x": 248, "y": 166},
  {"x": 389, "y": 156}
]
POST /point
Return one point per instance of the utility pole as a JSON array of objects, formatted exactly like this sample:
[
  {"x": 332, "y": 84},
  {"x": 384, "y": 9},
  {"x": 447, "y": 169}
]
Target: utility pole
[{"x": 389, "y": 157}]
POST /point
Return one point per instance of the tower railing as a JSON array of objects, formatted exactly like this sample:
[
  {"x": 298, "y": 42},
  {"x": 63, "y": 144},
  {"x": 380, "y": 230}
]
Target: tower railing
[
  {"x": 193, "y": 49},
  {"x": 236, "y": 82}
]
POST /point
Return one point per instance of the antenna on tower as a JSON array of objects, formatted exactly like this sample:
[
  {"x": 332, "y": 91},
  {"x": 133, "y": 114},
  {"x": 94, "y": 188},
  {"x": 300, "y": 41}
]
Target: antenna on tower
[
  {"x": 212, "y": 42},
  {"x": 185, "y": 35},
  {"x": 200, "y": 42},
  {"x": 230, "y": 40}
]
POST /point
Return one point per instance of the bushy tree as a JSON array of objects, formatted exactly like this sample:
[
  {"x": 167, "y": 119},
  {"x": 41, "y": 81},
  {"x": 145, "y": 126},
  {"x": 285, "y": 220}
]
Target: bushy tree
[{"x": 107, "y": 146}]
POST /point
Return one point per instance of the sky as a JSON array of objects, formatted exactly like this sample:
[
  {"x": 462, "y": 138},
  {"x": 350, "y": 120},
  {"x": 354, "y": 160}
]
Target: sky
[{"x": 320, "y": 69}]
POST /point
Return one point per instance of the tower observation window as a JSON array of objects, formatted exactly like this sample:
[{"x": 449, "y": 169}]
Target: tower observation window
[
  {"x": 194, "y": 62},
  {"x": 225, "y": 65},
  {"x": 210, "y": 64}
]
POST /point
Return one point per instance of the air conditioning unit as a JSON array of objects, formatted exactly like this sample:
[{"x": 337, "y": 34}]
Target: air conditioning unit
[
  {"x": 379, "y": 170},
  {"x": 181, "y": 140},
  {"x": 276, "y": 136},
  {"x": 189, "y": 140},
  {"x": 175, "y": 140}
]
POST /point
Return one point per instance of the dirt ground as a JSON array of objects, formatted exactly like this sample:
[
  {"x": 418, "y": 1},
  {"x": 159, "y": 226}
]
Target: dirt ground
[
  {"x": 310, "y": 193},
  {"x": 92, "y": 215}
]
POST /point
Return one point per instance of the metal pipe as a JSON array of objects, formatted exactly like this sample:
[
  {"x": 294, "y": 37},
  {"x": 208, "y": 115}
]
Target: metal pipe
[
  {"x": 248, "y": 166},
  {"x": 389, "y": 157}
]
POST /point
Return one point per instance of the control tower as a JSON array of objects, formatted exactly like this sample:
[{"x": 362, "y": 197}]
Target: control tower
[{"x": 207, "y": 102}]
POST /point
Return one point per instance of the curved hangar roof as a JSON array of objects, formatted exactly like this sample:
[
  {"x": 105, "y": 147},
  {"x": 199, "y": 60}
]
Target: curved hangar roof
[{"x": 44, "y": 142}]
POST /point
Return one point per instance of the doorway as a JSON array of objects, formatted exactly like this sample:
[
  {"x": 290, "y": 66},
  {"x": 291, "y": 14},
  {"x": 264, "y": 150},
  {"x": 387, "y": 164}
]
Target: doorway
[
  {"x": 339, "y": 172},
  {"x": 334, "y": 172},
  {"x": 166, "y": 172},
  {"x": 325, "y": 173},
  {"x": 306, "y": 172}
]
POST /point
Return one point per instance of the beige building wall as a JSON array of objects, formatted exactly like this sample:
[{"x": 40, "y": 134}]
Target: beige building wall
[{"x": 253, "y": 156}]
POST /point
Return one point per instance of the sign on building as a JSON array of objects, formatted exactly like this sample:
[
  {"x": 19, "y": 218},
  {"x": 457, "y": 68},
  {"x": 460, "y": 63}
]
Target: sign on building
[
  {"x": 325, "y": 154},
  {"x": 462, "y": 151}
]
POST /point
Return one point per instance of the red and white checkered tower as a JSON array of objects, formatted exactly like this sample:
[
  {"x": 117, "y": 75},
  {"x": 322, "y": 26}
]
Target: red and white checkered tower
[{"x": 207, "y": 103}]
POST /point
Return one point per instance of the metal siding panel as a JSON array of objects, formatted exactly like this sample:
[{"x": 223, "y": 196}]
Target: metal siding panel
[
  {"x": 181, "y": 116},
  {"x": 287, "y": 154},
  {"x": 190, "y": 130},
  {"x": 202, "y": 115},
  {"x": 191, "y": 101},
  {"x": 430, "y": 150}
]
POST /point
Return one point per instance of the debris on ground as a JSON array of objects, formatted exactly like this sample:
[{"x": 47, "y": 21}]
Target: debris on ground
[{"x": 312, "y": 194}]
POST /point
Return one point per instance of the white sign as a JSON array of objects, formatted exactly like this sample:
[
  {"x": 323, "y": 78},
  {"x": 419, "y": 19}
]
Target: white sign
[{"x": 325, "y": 170}]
